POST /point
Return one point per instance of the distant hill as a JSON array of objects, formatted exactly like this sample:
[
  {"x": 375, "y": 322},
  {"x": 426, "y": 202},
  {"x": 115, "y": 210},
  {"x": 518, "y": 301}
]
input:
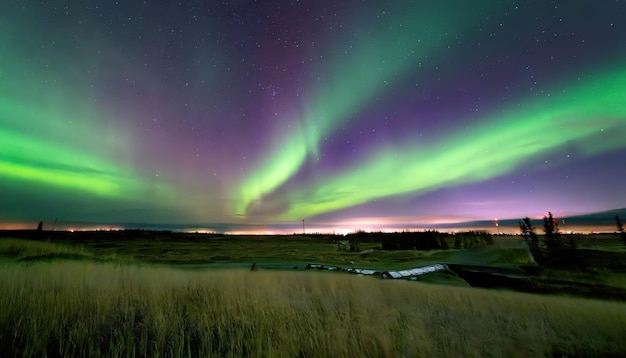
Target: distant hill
[
  {"x": 599, "y": 221},
  {"x": 603, "y": 217}
]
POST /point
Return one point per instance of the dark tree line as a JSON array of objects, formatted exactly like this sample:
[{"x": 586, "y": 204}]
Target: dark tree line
[
  {"x": 470, "y": 239},
  {"x": 428, "y": 240},
  {"x": 432, "y": 240}
]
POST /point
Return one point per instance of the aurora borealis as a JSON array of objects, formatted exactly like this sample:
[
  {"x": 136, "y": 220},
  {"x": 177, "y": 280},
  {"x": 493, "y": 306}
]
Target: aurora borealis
[{"x": 246, "y": 115}]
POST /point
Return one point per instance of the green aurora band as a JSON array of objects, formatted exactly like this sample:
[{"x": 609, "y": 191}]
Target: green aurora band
[
  {"x": 590, "y": 116},
  {"x": 53, "y": 142},
  {"x": 30, "y": 159},
  {"x": 399, "y": 45}
]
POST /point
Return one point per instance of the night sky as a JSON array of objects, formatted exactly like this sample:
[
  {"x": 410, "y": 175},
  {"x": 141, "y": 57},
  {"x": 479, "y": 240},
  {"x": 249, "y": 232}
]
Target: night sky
[{"x": 255, "y": 115}]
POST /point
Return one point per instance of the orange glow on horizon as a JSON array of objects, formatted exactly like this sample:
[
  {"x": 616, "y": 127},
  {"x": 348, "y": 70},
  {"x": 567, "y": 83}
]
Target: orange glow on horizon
[{"x": 344, "y": 227}]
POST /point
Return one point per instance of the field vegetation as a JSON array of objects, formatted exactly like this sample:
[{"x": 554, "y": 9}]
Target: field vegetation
[
  {"x": 112, "y": 296},
  {"x": 180, "y": 249},
  {"x": 81, "y": 308}
]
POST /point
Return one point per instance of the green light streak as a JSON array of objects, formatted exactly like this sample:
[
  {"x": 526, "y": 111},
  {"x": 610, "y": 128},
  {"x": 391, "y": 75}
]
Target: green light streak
[
  {"x": 38, "y": 161},
  {"x": 356, "y": 76},
  {"x": 77, "y": 181},
  {"x": 49, "y": 141},
  {"x": 591, "y": 116}
]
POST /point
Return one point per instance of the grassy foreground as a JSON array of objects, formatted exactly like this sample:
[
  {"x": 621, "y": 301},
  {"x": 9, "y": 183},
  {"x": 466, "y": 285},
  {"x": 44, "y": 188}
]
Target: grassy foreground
[{"x": 82, "y": 308}]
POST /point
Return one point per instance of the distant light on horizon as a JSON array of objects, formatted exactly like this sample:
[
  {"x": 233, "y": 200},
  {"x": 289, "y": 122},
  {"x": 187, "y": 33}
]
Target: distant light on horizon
[{"x": 315, "y": 229}]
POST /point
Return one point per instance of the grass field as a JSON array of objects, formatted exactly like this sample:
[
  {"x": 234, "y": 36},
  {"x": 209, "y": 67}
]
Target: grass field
[
  {"x": 171, "y": 248},
  {"x": 107, "y": 309},
  {"x": 99, "y": 299}
]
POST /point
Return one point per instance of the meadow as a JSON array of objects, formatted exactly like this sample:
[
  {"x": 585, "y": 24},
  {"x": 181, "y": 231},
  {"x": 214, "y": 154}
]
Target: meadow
[
  {"x": 169, "y": 248},
  {"x": 64, "y": 299}
]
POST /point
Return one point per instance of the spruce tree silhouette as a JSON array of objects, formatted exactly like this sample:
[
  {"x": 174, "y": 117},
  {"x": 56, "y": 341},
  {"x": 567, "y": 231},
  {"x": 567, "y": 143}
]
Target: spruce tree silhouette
[
  {"x": 552, "y": 238},
  {"x": 528, "y": 230}
]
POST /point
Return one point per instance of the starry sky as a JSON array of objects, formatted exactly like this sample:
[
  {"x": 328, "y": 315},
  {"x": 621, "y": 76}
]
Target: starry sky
[{"x": 251, "y": 116}]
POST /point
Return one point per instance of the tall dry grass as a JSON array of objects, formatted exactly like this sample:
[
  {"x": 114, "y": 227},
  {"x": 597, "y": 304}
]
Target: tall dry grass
[
  {"x": 105, "y": 309},
  {"x": 29, "y": 249}
]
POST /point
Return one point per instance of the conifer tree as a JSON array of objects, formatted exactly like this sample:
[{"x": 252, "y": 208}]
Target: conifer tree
[
  {"x": 552, "y": 238},
  {"x": 528, "y": 230}
]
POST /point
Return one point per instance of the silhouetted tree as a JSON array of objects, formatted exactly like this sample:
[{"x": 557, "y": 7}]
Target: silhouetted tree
[
  {"x": 552, "y": 238},
  {"x": 40, "y": 226},
  {"x": 620, "y": 228},
  {"x": 528, "y": 230}
]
